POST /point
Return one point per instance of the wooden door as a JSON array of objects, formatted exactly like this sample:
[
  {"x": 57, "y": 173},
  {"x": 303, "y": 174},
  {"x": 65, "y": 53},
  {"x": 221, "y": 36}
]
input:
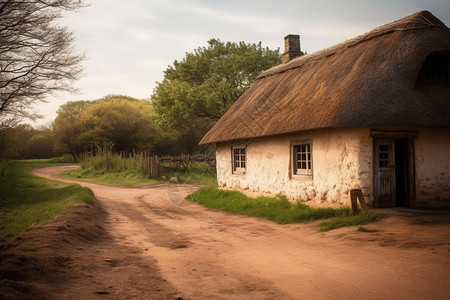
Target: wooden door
[{"x": 384, "y": 173}]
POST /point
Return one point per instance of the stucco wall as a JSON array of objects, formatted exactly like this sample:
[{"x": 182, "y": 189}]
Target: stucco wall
[
  {"x": 432, "y": 155},
  {"x": 342, "y": 160}
]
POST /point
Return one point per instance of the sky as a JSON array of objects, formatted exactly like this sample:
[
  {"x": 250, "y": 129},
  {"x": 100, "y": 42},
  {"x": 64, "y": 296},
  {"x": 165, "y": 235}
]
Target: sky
[{"x": 129, "y": 44}]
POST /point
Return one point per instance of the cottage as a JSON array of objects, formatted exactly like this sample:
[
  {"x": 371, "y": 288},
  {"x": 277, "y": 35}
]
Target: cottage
[{"x": 372, "y": 113}]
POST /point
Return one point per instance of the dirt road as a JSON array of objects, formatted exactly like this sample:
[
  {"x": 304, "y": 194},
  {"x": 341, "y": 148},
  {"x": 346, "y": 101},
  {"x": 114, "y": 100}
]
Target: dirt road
[{"x": 148, "y": 242}]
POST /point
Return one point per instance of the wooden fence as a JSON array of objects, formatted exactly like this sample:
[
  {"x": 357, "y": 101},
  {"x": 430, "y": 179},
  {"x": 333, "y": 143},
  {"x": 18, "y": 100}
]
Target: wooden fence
[{"x": 149, "y": 162}]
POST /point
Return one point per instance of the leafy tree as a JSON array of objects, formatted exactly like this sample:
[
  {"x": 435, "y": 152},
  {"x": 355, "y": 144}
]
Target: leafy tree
[
  {"x": 24, "y": 141},
  {"x": 124, "y": 121},
  {"x": 18, "y": 141},
  {"x": 40, "y": 146},
  {"x": 36, "y": 55},
  {"x": 198, "y": 90},
  {"x": 68, "y": 128}
]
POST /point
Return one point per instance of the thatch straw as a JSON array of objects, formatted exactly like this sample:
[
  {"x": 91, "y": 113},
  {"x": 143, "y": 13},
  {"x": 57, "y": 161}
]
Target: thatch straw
[{"x": 368, "y": 81}]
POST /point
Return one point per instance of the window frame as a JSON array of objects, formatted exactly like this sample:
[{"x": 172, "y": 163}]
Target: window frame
[
  {"x": 241, "y": 169},
  {"x": 302, "y": 172}
]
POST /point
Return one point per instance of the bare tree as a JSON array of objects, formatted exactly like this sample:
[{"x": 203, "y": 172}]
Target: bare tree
[{"x": 37, "y": 56}]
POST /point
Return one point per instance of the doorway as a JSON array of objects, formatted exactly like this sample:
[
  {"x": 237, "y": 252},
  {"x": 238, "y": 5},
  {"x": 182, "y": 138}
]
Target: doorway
[{"x": 394, "y": 184}]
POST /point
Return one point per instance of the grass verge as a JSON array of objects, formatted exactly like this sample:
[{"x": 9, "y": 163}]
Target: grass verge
[
  {"x": 130, "y": 177},
  {"x": 278, "y": 209},
  {"x": 195, "y": 173},
  {"x": 28, "y": 201},
  {"x": 350, "y": 220}
]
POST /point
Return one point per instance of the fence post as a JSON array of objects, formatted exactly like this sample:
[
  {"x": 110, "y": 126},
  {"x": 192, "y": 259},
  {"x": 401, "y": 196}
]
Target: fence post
[{"x": 356, "y": 194}]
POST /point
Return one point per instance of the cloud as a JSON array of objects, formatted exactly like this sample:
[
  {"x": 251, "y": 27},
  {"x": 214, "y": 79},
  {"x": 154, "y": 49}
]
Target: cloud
[{"x": 130, "y": 44}]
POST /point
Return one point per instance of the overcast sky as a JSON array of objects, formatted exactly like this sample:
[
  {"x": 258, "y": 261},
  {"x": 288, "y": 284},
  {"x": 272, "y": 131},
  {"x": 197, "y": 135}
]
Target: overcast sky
[{"x": 129, "y": 44}]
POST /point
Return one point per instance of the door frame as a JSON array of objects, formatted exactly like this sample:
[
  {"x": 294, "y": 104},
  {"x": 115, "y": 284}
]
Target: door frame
[{"x": 410, "y": 182}]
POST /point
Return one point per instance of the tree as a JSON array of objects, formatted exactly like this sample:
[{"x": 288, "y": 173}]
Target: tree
[
  {"x": 197, "y": 91},
  {"x": 36, "y": 55},
  {"x": 24, "y": 141},
  {"x": 68, "y": 128},
  {"x": 128, "y": 123}
]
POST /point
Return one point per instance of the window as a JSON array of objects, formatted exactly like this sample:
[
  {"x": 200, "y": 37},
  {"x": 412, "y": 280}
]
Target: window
[
  {"x": 435, "y": 69},
  {"x": 384, "y": 159},
  {"x": 239, "y": 160},
  {"x": 302, "y": 159}
]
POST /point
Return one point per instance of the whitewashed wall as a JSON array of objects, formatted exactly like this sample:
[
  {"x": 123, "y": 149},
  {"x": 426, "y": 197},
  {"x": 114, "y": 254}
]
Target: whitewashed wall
[
  {"x": 342, "y": 160},
  {"x": 432, "y": 154}
]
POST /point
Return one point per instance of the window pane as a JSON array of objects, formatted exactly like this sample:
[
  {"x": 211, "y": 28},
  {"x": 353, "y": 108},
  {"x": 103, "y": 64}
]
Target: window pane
[
  {"x": 302, "y": 159},
  {"x": 239, "y": 160}
]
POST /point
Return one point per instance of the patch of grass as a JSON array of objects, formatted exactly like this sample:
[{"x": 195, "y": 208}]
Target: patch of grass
[
  {"x": 277, "y": 209},
  {"x": 28, "y": 201},
  {"x": 349, "y": 220},
  {"x": 28, "y": 246},
  {"x": 65, "y": 158},
  {"x": 130, "y": 177},
  {"x": 198, "y": 173},
  {"x": 195, "y": 173},
  {"x": 364, "y": 229}
]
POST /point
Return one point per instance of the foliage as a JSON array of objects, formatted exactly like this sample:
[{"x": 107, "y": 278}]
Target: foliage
[
  {"x": 198, "y": 90},
  {"x": 24, "y": 141},
  {"x": 36, "y": 56},
  {"x": 68, "y": 128},
  {"x": 27, "y": 201},
  {"x": 277, "y": 209},
  {"x": 125, "y": 122}
]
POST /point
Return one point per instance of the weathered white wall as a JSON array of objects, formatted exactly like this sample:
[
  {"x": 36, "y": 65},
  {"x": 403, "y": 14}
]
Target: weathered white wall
[
  {"x": 342, "y": 160},
  {"x": 432, "y": 154}
]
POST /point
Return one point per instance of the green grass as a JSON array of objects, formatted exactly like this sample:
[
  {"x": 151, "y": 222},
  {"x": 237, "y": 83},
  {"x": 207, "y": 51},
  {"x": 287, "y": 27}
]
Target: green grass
[
  {"x": 131, "y": 177},
  {"x": 28, "y": 246},
  {"x": 350, "y": 220},
  {"x": 195, "y": 173},
  {"x": 277, "y": 209},
  {"x": 28, "y": 201}
]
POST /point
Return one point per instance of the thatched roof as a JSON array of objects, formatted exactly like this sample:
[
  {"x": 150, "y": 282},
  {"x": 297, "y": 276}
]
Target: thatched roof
[{"x": 368, "y": 81}]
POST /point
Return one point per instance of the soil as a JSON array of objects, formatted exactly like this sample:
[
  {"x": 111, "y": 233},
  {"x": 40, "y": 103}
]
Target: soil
[{"x": 149, "y": 243}]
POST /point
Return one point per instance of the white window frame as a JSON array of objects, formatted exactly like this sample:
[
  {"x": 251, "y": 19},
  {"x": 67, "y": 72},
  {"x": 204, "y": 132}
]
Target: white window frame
[
  {"x": 239, "y": 160},
  {"x": 302, "y": 161}
]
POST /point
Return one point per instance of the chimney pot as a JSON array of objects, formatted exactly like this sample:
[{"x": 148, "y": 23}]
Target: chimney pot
[{"x": 291, "y": 48}]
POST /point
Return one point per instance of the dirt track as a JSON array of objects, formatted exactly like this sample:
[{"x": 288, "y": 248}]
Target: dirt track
[{"x": 148, "y": 242}]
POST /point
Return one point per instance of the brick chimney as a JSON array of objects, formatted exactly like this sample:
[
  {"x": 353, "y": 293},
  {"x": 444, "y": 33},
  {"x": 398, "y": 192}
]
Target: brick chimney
[{"x": 291, "y": 48}]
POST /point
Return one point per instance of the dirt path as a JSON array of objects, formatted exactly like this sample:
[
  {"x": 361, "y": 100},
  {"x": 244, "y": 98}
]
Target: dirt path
[{"x": 155, "y": 244}]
